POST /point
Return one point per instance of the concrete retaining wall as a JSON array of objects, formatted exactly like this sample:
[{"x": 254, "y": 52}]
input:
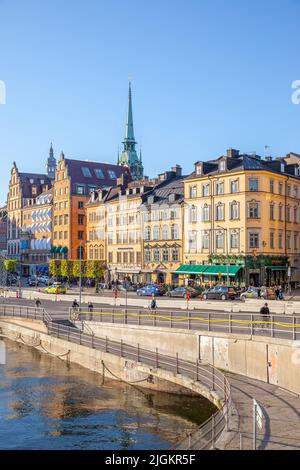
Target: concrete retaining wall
[
  {"x": 271, "y": 360},
  {"x": 108, "y": 365}
]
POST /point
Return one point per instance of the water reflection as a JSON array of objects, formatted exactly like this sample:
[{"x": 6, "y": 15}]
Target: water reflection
[{"x": 45, "y": 404}]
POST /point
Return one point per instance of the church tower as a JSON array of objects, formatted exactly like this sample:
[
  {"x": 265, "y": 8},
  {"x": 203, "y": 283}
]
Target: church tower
[
  {"x": 51, "y": 164},
  {"x": 129, "y": 155}
]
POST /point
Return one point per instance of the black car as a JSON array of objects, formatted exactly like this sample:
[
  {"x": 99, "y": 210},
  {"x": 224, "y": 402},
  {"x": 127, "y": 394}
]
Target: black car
[{"x": 220, "y": 293}]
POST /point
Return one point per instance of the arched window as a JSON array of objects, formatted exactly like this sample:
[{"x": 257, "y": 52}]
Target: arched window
[
  {"x": 174, "y": 232},
  {"x": 147, "y": 233},
  {"x": 175, "y": 254},
  {"x": 101, "y": 253},
  {"x": 165, "y": 232},
  {"x": 80, "y": 252},
  {"x": 96, "y": 252},
  {"x": 156, "y": 255},
  {"x": 91, "y": 253}
]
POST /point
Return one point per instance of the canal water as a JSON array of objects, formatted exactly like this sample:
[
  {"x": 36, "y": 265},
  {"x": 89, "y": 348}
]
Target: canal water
[{"x": 47, "y": 404}]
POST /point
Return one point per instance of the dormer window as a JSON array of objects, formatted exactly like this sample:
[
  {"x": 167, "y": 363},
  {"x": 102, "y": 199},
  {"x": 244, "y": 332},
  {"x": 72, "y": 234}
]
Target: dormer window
[
  {"x": 282, "y": 167},
  {"x": 199, "y": 168},
  {"x": 222, "y": 165}
]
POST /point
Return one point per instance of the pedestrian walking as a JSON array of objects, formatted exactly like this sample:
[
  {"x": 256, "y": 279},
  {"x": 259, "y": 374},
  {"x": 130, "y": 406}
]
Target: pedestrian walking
[
  {"x": 277, "y": 292},
  {"x": 265, "y": 314},
  {"x": 38, "y": 303},
  {"x": 153, "y": 305}
]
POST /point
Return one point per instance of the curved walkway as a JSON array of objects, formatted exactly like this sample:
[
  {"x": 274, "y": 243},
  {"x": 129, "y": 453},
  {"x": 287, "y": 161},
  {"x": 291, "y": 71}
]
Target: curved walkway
[{"x": 281, "y": 430}]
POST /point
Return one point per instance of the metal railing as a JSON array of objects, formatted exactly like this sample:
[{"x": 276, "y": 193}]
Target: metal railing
[
  {"x": 208, "y": 434},
  {"x": 30, "y": 313},
  {"x": 274, "y": 326},
  {"x": 213, "y": 379}
]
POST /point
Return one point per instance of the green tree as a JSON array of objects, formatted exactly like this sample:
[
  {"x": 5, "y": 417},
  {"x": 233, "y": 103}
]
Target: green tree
[
  {"x": 55, "y": 267},
  {"x": 76, "y": 268},
  {"x": 10, "y": 265},
  {"x": 66, "y": 267}
]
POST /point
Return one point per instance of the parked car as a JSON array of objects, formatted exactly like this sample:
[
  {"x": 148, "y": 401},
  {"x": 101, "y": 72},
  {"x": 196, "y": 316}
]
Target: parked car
[
  {"x": 220, "y": 293},
  {"x": 182, "y": 292},
  {"x": 44, "y": 280},
  {"x": 33, "y": 281},
  {"x": 150, "y": 290},
  {"x": 56, "y": 288},
  {"x": 258, "y": 293}
]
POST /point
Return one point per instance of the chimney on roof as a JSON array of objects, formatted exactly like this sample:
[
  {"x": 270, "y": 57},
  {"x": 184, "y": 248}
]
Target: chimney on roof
[
  {"x": 232, "y": 153},
  {"x": 177, "y": 170},
  {"x": 124, "y": 179}
]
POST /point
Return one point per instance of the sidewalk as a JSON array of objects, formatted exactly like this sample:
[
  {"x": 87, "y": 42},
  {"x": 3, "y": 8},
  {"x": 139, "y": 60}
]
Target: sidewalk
[{"x": 281, "y": 415}]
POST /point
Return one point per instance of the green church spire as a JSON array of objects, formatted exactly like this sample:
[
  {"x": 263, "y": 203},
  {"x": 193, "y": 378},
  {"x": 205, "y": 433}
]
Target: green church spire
[
  {"x": 129, "y": 131},
  {"x": 129, "y": 155}
]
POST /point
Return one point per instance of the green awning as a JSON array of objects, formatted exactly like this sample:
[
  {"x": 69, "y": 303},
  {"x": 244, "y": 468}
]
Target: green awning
[
  {"x": 230, "y": 271},
  {"x": 278, "y": 268},
  {"x": 208, "y": 270},
  {"x": 191, "y": 269}
]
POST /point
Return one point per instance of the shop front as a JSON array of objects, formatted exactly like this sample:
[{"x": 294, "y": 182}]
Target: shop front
[{"x": 209, "y": 275}]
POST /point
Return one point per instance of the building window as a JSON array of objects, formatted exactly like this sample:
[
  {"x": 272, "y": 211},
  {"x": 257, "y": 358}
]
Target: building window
[
  {"x": 156, "y": 255},
  {"x": 165, "y": 232},
  {"x": 193, "y": 214},
  {"x": 253, "y": 184},
  {"x": 271, "y": 186},
  {"x": 234, "y": 239},
  {"x": 234, "y": 210},
  {"x": 295, "y": 241},
  {"x": 66, "y": 219},
  {"x": 131, "y": 257},
  {"x": 219, "y": 189},
  {"x": 205, "y": 241},
  {"x": 206, "y": 215},
  {"x": 80, "y": 235},
  {"x": 174, "y": 232},
  {"x": 80, "y": 189},
  {"x": 175, "y": 254},
  {"x": 80, "y": 205},
  {"x": 165, "y": 254},
  {"x": 138, "y": 258},
  {"x": 272, "y": 212},
  {"x": 91, "y": 252},
  {"x": 220, "y": 240},
  {"x": 80, "y": 219},
  {"x": 280, "y": 240},
  {"x": 288, "y": 214},
  {"x": 60, "y": 235},
  {"x": 280, "y": 213},
  {"x": 288, "y": 241},
  {"x": 253, "y": 240},
  {"x": 234, "y": 186},
  {"x": 147, "y": 256},
  {"x": 296, "y": 215},
  {"x": 110, "y": 257},
  {"x": 193, "y": 192},
  {"x": 112, "y": 175},
  {"x": 288, "y": 190},
  {"x": 272, "y": 245},
  {"x": 65, "y": 235},
  {"x": 147, "y": 234},
  {"x": 253, "y": 210},
  {"x": 192, "y": 240},
  {"x": 220, "y": 212},
  {"x": 99, "y": 173},
  {"x": 205, "y": 190},
  {"x": 296, "y": 191},
  {"x": 222, "y": 165}
]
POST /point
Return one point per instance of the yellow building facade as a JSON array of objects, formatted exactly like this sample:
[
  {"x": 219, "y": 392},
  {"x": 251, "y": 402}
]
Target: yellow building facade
[{"x": 243, "y": 211}]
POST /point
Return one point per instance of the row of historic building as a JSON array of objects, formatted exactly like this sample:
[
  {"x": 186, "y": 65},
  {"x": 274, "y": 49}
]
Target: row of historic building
[{"x": 235, "y": 217}]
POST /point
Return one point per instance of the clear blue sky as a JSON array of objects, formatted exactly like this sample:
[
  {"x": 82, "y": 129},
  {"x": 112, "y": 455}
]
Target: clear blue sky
[{"x": 207, "y": 75}]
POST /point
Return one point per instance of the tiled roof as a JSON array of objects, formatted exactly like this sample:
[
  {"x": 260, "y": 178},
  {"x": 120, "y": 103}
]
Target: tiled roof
[
  {"x": 244, "y": 162},
  {"x": 75, "y": 171},
  {"x": 33, "y": 179},
  {"x": 163, "y": 190}
]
